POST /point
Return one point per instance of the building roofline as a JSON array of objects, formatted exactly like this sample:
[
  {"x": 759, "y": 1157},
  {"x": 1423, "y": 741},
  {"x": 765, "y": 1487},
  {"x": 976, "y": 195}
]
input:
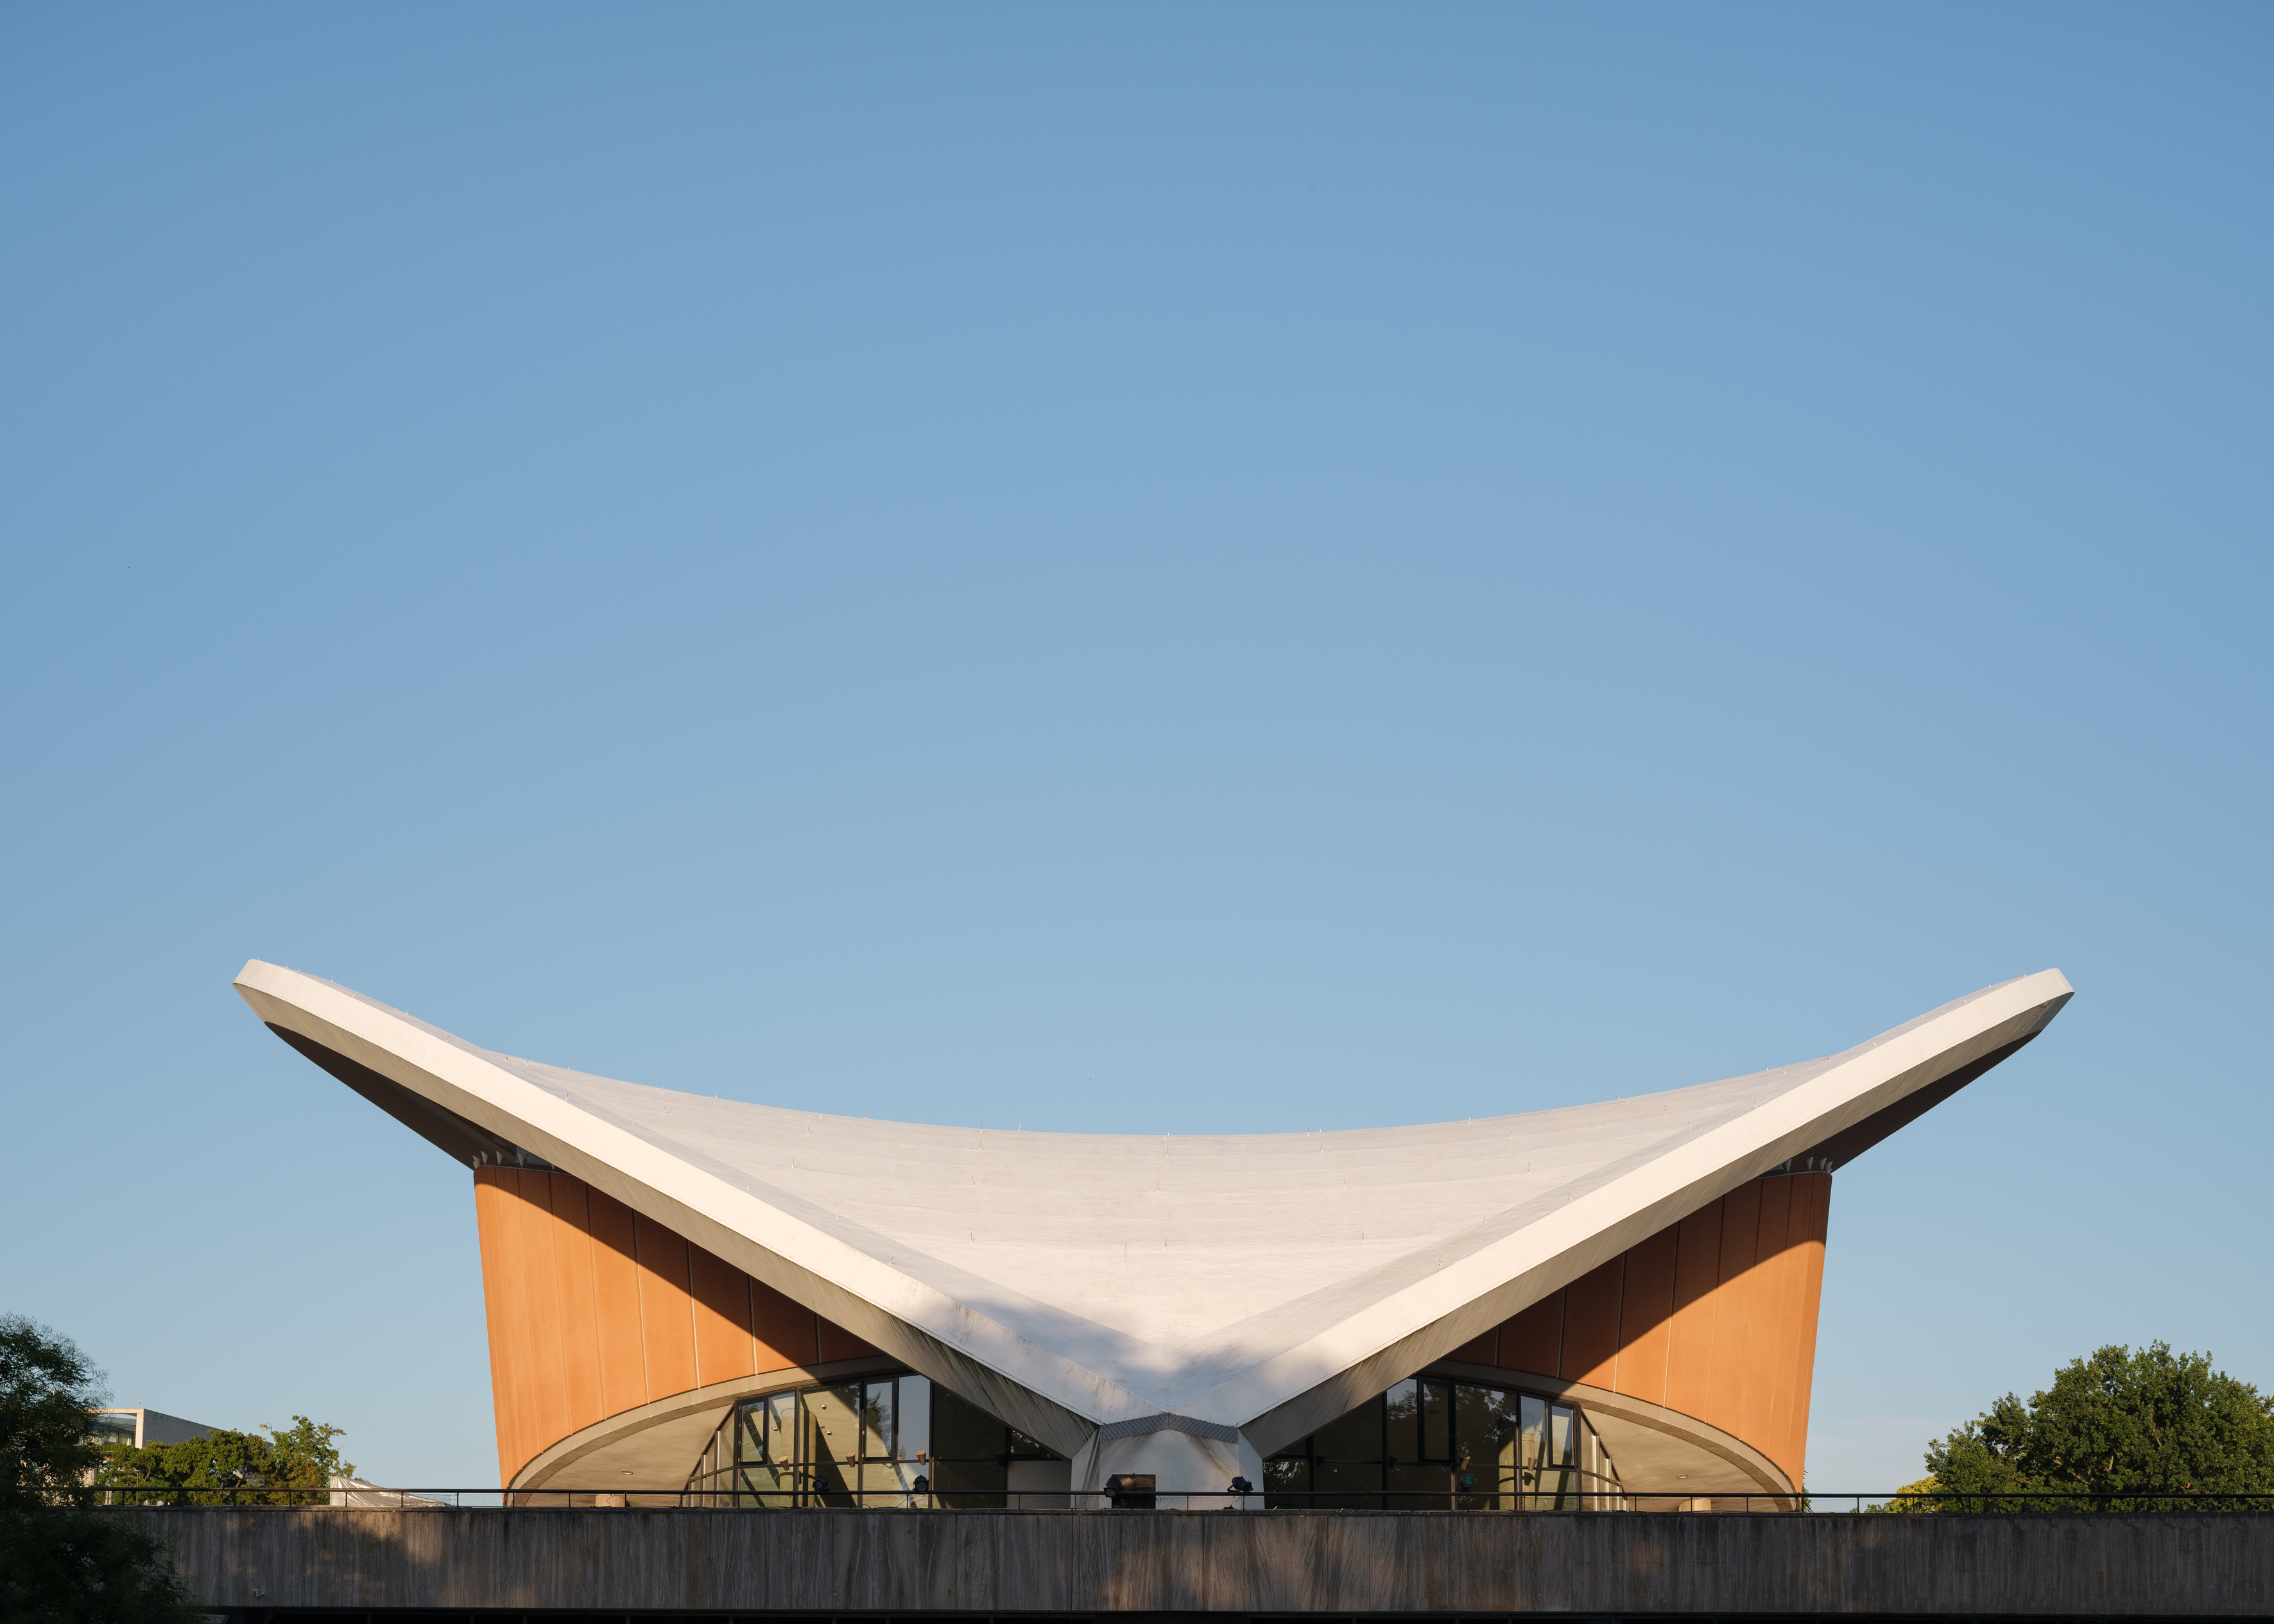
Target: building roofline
[{"x": 1060, "y": 1377}]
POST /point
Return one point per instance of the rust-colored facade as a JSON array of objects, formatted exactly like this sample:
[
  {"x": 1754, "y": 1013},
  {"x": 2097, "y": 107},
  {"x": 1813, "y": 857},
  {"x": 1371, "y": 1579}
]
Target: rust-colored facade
[
  {"x": 1714, "y": 1318},
  {"x": 595, "y": 1311}
]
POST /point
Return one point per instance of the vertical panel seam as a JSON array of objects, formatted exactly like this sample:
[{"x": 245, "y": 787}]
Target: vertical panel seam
[
  {"x": 693, "y": 1331},
  {"x": 750, "y": 1319},
  {"x": 639, "y": 1300}
]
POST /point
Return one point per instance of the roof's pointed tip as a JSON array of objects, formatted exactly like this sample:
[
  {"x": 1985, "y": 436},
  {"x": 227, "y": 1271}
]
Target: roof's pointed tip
[
  {"x": 2049, "y": 982},
  {"x": 258, "y": 975}
]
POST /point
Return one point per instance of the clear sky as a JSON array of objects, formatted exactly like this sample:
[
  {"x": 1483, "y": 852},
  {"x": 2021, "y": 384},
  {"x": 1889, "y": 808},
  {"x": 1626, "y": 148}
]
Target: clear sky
[{"x": 1139, "y": 567}]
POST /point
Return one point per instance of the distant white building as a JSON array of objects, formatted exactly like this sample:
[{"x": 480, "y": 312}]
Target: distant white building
[{"x": 139, "y": 1429}]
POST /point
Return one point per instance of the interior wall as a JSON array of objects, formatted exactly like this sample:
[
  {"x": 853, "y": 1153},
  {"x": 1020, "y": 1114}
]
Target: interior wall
[
  {"x": 1714, "y": 1317},
  {"x": 594, "y": 1310}
]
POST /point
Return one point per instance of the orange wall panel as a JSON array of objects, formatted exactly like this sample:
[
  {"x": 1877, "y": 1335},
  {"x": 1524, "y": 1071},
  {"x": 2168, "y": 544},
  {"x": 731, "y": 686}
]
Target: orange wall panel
[
  {"x": 1797, "y": 1272},
  {"x": 617, "y": 1333},
  {"x": 838, "y": 1344},
  {"x": 579, "y": 1328},
  {"x": 787, "y": 1334},
  {"x": 1689, "y": 1334},
  {"x": 594, "y": 1310},
  {"x": 1813, "y": 1240},
  {"x": 1533, "y": 1340},
  {"x": 723, "y": 1347},
  {"x": 549, "y": 1406},
  {"x": 1733, "y": 1312},
  {"x": 489, "y": 1223},
  {"x": 1483, "y": 1350},
  {"x": 1646, "y": 1311},
  {"x": 523, "y": 1230},
  {"x": 1590, "y": 1325},
  {"x": 666, "y": 1311},
  {"x": 1783, "y": 1277},
  {"x": 1775, "y": 1312},
  {"x": 1714, "y": 1317}
]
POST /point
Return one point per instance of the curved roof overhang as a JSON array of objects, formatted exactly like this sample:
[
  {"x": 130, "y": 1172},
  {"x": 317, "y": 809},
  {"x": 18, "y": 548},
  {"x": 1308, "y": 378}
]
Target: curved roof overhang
[{"x": 1196, "y": 1283}]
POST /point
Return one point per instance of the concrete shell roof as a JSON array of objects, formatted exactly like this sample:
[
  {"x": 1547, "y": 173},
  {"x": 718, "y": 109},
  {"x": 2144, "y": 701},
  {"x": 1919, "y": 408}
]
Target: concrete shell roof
[{"x": 1230, "y": 1278}]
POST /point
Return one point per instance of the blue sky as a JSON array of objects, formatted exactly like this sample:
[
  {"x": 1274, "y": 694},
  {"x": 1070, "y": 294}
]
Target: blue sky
[{"x": 1131, "y": 569}]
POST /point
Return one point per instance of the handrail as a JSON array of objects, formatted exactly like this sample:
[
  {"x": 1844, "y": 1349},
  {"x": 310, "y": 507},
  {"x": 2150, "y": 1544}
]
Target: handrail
[{"x": 1623, "y": 1501}]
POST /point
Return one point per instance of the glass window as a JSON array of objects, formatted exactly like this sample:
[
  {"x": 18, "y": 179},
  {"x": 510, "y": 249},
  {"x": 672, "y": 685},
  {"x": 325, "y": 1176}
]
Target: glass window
[
  {"x": 1425, "y": 1444},
  {"x": 833, "y": 1420},
  {"x": 860, "y": 1443},
  {"x": 969, "y": 1486},
  {"x": 915, "y": 1419},
  {"x": 961, "y": 1431},
  {"x": 1559, "y": 1481},
  {"x": 1356, "y": 1436},
  {"x": 877, "y": 1432},
  {"x": 830, "y": 1444},
  {"x": 767, "y": 1485},
  {"x": 1289, "y": 1473},
  {"x": 1434, "y": 1443},
  {"x": 1436, "y": 1421},
  {"x": 1486, "y": 1435},
  {"x": 1535, "y": 1440},
  {"x": 1402, "y": 1406},
  {"x": 1422, "y": 1485},
  {"x": 1347, "y": 1485},
  {"x": 1027, "y": 1448},
  {"x": 111, "y": 1429}
]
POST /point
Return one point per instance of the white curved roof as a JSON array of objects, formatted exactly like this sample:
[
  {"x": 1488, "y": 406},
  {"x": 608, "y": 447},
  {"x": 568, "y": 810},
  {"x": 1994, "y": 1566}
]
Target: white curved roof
[{"x": 1260, "y": 1281}]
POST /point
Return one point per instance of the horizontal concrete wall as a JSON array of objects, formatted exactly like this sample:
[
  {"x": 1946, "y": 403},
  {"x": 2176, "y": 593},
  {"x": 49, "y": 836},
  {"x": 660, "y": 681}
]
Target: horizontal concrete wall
[{"x": 1378, "y": 1562}]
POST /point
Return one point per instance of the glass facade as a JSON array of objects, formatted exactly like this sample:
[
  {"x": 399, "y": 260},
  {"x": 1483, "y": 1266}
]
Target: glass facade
[
  {"x": 880, "y": 1441},
  {"x": 111, "y": 1429},
  {"x": 1428, "y": 1444}
]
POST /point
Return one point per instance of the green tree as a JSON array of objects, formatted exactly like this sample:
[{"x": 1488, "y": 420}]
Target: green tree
[
  {"x": 2114, "y": 1423},
  {"x": 1912, "y": 1498},
  {"x": 62, "y": 1561},
  {"x": 291, "y": 1468}
]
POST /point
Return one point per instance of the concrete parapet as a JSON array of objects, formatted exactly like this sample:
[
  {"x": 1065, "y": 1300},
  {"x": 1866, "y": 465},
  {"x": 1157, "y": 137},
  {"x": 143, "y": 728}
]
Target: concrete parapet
[{"x": 2087, "y": 1566}]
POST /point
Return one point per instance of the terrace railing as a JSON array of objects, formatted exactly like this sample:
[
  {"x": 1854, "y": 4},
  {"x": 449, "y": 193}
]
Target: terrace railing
[{"x": 1813, "y": 1503}]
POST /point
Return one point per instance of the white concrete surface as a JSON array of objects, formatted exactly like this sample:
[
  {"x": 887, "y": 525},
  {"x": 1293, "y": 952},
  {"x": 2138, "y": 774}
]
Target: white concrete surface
[
  {"x": 1252, "y": 1286},
  {"x": 154, "y": 1426}
]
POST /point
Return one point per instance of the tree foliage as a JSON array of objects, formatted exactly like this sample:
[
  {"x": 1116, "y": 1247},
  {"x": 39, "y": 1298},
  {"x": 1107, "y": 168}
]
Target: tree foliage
[
  {"x": 2116, "y": 1423},
  {"x": 1912, "y": 1498},
  {"x": 62, "y": 1561},
  {"x": 291, "y": 1468},
  {"x": 46, "y": 1387}
]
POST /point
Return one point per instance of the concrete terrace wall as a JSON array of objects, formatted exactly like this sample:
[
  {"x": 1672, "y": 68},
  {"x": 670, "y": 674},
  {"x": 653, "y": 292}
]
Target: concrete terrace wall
[{"x": 1377, "y": 1562}]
